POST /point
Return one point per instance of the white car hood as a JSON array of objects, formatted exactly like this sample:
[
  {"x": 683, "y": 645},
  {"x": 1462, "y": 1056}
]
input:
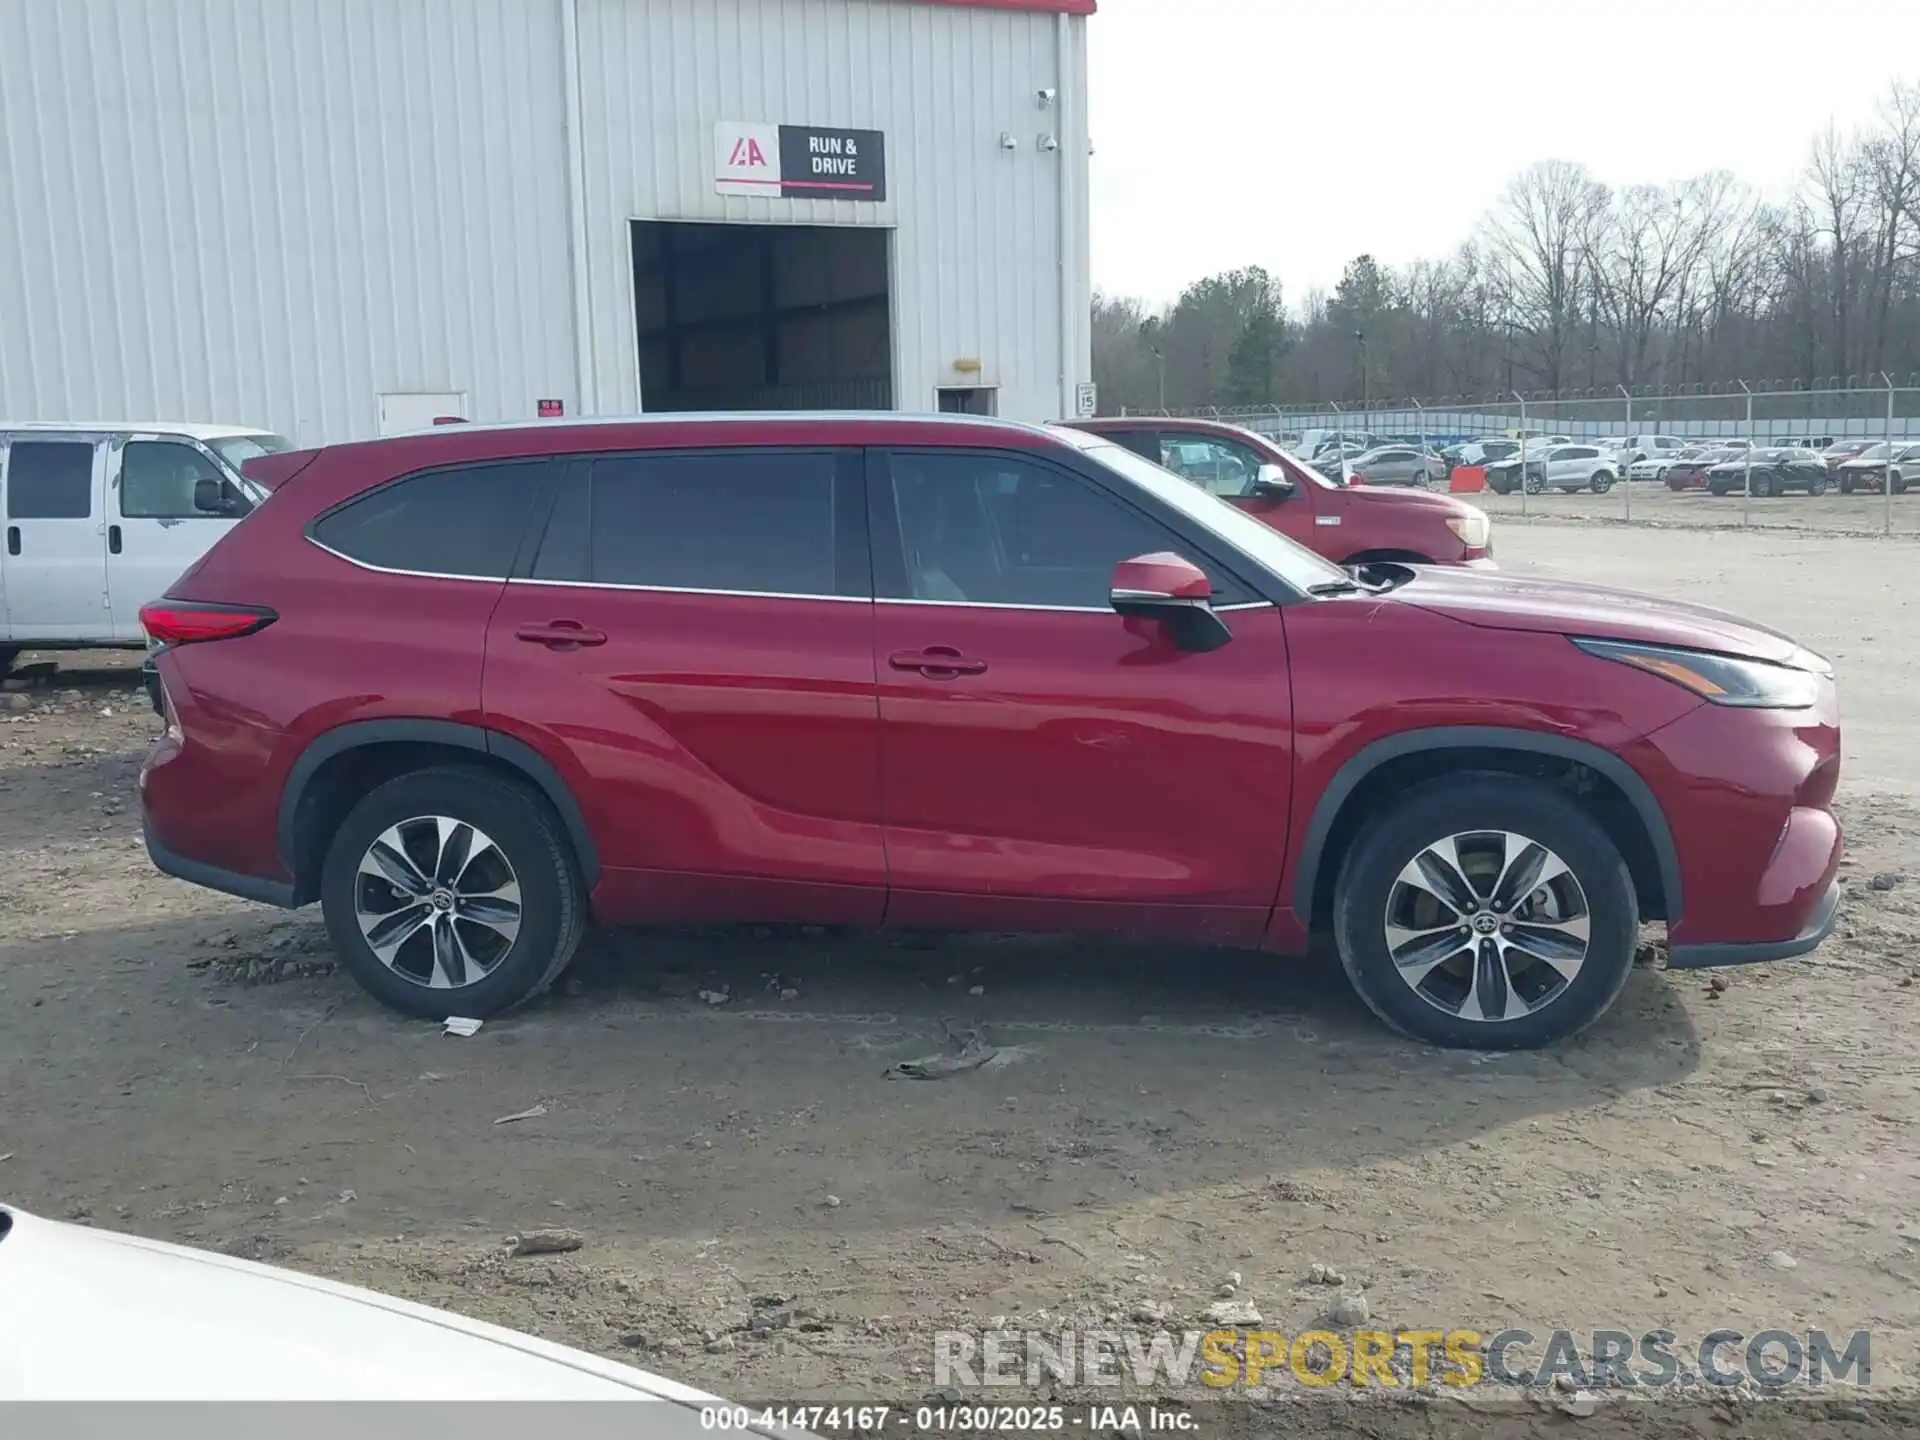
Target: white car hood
[{"x": 89, "y": 1315}]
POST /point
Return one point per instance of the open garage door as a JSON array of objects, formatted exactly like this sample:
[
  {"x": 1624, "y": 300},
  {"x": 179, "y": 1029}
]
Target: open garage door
[{"x": 763, "y": 317}]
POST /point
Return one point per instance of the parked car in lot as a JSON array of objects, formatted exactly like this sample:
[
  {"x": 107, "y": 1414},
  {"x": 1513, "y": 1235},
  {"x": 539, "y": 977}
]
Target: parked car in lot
[
  {"x": 1483, "y": 452},
  {"x": 101, "y": 518},
  {"x": 1772, "y": 471},
  {"x": 470, "y": 689},
  {"x": 1560, "y": 467},
  {"x": 97, "y": 1316},
  {"x": 1689, "y": 472},
  {"x": 1349, "y": 525},
  {"x": 1398, "y": 465},
  {"x": 1841, "y": 451},
  {"x": 1631, "y": 451},
  {"x": 1893, "y": 466},
  {"x": 1335, "y": 461}
]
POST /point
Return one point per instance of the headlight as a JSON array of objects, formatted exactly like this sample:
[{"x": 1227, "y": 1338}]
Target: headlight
[
  {"x": 1720, "y": 679},
  {"x": 1472, "y": 528}
]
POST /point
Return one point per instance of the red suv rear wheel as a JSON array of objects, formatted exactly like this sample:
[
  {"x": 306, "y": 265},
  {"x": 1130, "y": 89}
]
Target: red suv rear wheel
[{"x": 452, "y": 892}]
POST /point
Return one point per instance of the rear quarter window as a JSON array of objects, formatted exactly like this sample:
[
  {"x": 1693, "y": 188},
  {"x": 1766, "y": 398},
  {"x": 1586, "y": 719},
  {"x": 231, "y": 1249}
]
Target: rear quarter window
[{"x": 464, "y": 523}]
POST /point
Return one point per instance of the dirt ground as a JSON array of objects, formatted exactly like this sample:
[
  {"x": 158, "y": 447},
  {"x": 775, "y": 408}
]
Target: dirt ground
[{"x": 1726, "y": 1149}]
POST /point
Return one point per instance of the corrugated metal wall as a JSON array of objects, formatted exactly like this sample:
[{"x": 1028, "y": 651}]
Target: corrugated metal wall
[
  {"x": 977, "y": 271},
  {"x": 272, "y": 211},
  {"x": 275, "y": 211}
]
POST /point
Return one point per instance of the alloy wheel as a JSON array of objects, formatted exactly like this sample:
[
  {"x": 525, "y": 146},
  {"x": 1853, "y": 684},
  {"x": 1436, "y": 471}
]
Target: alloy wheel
[
  {"x": 437, "y": 902},
  {"x": 1487, "y": 925}
]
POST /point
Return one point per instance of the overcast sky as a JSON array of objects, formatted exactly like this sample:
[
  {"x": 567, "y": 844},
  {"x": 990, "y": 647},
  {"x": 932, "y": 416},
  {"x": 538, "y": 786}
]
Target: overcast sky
[{"x": 1297, "y": 134}]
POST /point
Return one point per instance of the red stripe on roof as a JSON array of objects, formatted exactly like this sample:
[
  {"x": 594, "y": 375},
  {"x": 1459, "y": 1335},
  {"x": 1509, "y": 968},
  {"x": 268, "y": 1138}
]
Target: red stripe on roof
[{"x": 1047, "y": 7}]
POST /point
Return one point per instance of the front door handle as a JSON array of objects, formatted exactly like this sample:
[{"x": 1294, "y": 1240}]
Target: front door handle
[
  {"x": 937, "y": 662},
  {"x": 561, "y": 635},
  {"x": 113, "y": 539},
  {"x": 13, "y": 539}
]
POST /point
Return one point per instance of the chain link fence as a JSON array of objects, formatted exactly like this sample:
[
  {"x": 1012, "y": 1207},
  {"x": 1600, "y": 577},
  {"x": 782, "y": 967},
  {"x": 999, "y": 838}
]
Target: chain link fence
[{"x": 1844, "y": 459}]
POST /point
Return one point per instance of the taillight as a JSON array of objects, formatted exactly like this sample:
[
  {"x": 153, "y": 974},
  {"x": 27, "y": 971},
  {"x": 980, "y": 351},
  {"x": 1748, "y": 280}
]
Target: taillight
[{"x": 185, "y": 622}]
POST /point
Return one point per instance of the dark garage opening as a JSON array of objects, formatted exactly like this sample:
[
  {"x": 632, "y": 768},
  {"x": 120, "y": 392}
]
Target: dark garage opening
[{"x": 762, "y": 317}]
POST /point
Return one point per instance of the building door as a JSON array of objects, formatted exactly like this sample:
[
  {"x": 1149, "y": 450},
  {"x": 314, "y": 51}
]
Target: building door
[
  {"x": 56, "y": 552},
  {"x": 763, "y": 317}
]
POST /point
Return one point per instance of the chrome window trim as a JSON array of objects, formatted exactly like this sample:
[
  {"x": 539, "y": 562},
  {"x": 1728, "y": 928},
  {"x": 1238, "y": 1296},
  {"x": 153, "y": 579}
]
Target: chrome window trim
[{"x": 740, "y": 594}]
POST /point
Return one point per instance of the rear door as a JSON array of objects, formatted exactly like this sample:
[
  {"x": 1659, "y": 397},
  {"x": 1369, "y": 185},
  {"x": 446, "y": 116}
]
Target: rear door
[
  {"x": 56, "y": 558},
  {"x": 155, "y": 528},
  {"x": 1048, "y": 764},
  {"x": 691, "y": 645}
]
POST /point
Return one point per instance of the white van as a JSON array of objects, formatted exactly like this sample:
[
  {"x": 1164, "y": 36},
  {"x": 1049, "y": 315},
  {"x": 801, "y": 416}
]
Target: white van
[{"x": 101, "y": 519}]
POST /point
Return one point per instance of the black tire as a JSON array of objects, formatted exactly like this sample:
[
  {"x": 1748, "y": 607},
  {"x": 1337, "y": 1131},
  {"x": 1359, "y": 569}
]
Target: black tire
[
  {"x": 1846, "y": 484},
  {"x": 1420, "y": 479},
  {"x": 1475, "y": 803},
  {"x": 1717, "y": 490},
  {"x": 524, "y": 829},
  {"x": 1761, "y": 485},
  {"x": 1601, "y": 482},
  {"x": 8, "y": 654},
  {"x": 1536, "y": 484},
  {"x": 1816, "y": 485}
]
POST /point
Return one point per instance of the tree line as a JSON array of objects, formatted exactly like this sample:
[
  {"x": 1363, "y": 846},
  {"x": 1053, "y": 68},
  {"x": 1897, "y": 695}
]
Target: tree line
[{"x": 1569, "y": 285}]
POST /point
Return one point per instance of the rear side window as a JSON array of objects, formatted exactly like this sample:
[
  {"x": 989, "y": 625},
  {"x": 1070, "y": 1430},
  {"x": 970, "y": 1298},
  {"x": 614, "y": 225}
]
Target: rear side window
[
  {"x": 749, "y": 521},
  {"x": 464, "y": 522},
  {"x": 50, "y": 480}
]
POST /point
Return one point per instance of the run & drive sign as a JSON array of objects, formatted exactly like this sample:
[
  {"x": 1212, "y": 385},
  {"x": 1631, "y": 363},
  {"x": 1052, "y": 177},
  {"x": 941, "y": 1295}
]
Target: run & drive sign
[{"x": 794, "y": 161}]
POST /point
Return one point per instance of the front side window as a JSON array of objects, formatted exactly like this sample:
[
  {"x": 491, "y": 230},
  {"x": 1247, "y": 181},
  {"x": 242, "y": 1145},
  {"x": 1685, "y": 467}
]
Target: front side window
[
  {"x": 463, "y": 523},
  {"x": 1222, "y": 466},
  {"x": 999, "y": 529},
  {"x": 50, "y": 480},
  {"x": 749, "y": 521},
  {"x": 159, "y": 480}
]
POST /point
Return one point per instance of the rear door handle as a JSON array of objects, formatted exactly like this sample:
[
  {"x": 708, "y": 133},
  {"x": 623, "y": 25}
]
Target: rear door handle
[
  {"x": 561, "y": 635},
  {"x": 13, "y": 539},
  {"x": 113, "y": 539},
  {"x": 937, "y": 662}
]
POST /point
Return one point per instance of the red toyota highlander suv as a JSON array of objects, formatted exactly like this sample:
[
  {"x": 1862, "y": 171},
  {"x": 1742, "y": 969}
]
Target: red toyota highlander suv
[
  {"x": 471, "y": 688},
  {"x": 1350, "y": 525}
]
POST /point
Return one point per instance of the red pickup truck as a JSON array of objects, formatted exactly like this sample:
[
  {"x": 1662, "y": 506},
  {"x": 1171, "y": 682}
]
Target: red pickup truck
[{"x": 1345, "y": 523}]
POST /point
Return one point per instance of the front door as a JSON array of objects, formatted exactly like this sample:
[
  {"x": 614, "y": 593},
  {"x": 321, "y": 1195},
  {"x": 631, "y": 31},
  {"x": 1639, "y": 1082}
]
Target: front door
[
  {"x": 56, "y": 556},
  {"x": 155, "y": 530},
  {"x": 1047, "y": 764},
  {"x": 692, "y": 643}
]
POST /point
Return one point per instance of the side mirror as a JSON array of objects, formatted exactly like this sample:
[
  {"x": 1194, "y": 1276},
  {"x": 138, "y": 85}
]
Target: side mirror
[
  {"x": 1274, "y": 481},
  {"x": 1171, "y": 589},
  {"x": 213, "y": 497}
]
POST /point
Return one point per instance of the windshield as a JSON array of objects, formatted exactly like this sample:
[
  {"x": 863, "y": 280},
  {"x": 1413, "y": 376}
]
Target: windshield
[
  {"x": 236, "y": 450},
  {"x": 1876, "y": 452},
  {"x": 1293, "y": 563}
]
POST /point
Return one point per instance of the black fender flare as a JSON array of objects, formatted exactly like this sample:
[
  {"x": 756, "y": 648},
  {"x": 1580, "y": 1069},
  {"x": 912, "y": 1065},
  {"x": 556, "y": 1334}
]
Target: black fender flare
[
  {"x": 1306, "y": 872},
  {"x": 362, "y": 733}
]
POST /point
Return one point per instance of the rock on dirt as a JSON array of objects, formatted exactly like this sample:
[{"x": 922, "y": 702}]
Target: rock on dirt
[
  {"x": 1350, "y": 1309},
  {"x": 547, "y": 1242},
  {"x": 1233, "y": 1312}
]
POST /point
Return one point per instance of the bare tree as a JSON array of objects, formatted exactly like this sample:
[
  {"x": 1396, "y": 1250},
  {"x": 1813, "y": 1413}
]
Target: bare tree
[{"x": 1540, "y": 229}]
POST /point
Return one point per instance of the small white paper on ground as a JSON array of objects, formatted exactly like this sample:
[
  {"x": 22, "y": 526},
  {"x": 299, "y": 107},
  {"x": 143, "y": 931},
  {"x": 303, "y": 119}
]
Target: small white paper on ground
[
  {"x": 532, "y": 1114},
  {"x": 460, "y": 1025}
]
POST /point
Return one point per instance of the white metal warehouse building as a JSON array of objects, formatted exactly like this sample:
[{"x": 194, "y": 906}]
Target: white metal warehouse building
[{"x": 334, "y": 218}]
